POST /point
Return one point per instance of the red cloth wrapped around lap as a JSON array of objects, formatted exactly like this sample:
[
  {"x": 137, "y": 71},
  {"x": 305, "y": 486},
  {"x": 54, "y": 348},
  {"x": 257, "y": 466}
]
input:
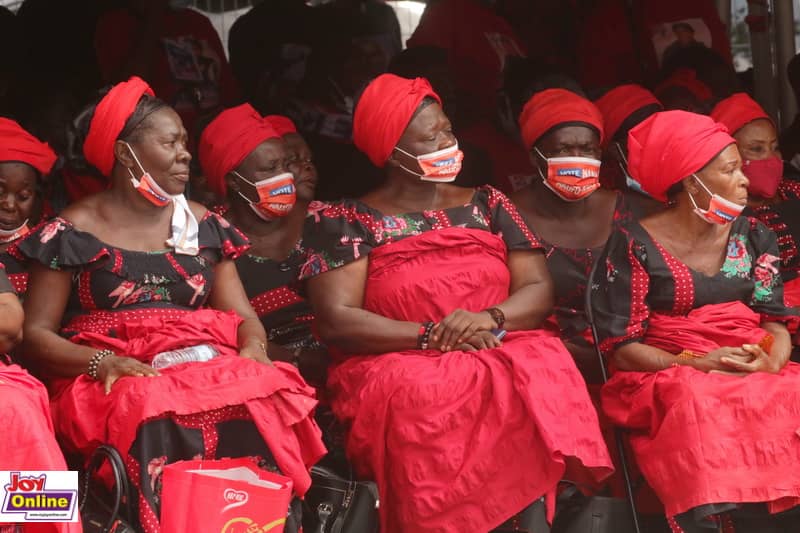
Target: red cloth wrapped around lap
[
  {"x": 280, "y": 402},
  {"x": 461, "y": 441},
  {"x": 705, "y": 438},
  {"x": 28, "y": 442}
]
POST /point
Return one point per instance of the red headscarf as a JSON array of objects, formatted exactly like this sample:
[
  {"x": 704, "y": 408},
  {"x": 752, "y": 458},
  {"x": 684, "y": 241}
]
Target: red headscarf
[
  {"x": 16, "y": 144},
  {"x": 671, "y": 145},
  {"x": 737, "y": 111},
  {"x": 686, "y": 78},
  {"x": 551, "y": 107},
  {"x": 620, "y": 103},
  {"x": 384, "y": 111},
  {"x": 109, "y": 119},
  {"x": 283, "y": 125},
  {"x": 228, "y": 139}
]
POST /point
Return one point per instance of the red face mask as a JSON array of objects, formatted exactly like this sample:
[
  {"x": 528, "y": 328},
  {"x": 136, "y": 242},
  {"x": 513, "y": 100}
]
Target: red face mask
[
  {"x": 720, "y": 210},
  {"x": 276, "y": 195},
  {"x": 11, "y": 235},
  {"x": 571, "y": 178},
  {"x": 147, "y": 186},
  {"x": 764, "y": 175},
  {"x": 441, "y": 166}
]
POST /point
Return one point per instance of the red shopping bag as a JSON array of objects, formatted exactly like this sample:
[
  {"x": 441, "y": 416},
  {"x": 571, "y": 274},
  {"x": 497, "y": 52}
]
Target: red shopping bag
[{"x": 225, "y": 496}]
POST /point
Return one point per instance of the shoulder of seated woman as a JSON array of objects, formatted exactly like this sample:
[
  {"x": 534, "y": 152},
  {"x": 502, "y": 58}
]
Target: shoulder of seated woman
[
  {"x": 82, "y": 214},
  {"x": 198, "y": 209}
]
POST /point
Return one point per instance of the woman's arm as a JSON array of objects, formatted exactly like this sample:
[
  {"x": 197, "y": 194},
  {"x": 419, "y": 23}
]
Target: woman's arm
[
  {"x": 530, "y": 301},
  {"x": 760, "y": 360},
  {"x": 228, "y": 294},
  {"x": 640, "y": 357},
  {"x": 337, "y": 297},
  {"x": 11, "y": 323}
]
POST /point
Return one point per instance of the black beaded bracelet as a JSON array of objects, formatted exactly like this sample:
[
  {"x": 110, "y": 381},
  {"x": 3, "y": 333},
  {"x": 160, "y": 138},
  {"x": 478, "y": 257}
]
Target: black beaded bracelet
[
  {"x": 94, "y": 362},
  {"x": 497, "y": 315},
  {"x": 424, "y": 337}
]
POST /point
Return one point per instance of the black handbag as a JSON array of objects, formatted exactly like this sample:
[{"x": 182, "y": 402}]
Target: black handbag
[
  {"x": 532, "y": 519},
  {"x": 103, "y": 513},
  {"x": 335, "y": 504},
  {"x": 578, "y": 513}
]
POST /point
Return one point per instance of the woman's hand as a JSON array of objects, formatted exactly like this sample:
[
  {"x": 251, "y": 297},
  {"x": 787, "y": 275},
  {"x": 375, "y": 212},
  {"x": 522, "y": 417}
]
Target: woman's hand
[
  {"x": 458, "y": 326},
  {"x": 113, "y": 367},
  {"x": 718, "y": 361},
  {"x": 480, "y": 340},
  {"x": 255, "y": 350},
  {"x": 759, "y": 361}
]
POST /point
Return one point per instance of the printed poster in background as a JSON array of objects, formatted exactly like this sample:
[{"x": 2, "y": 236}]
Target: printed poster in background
[{"x": 670, "y": 37}]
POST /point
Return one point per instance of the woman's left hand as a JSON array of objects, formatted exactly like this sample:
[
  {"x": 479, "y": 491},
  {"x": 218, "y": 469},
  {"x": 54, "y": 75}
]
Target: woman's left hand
[
  {"x": 761, "y": 361},
  {"x": 255, "y": 350},
  {"x": 458, "y": 326}
]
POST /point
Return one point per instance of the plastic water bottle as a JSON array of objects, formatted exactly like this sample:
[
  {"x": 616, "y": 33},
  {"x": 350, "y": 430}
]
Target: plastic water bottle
[{"x": 200, "y": 353}]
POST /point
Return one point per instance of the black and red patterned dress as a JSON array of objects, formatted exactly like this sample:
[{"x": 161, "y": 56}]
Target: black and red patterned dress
[
  {"x": 142, "y": 303},
  {"x": 701, "y": 438},
  {"x": 16, "y": 268},
  {"x": 457, "y": 441}
]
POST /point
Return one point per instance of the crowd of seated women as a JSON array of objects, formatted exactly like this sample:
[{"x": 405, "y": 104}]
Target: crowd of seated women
[{"x": 442, "y": 326}]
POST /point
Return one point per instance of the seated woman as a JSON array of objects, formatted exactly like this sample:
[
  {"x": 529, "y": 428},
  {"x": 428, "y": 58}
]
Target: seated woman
[
  {"x": 28, "y": 442},
  {"x": 24, "y": 160},
  {"x": 246, "y": 160},
  {"x": 137, "y": 270},
  {"x": 572, "y": 216},
  {"x": 411, "y": 285},
  {"x": 689, "y": 306},
  {"x": 771, "y": 198},
  {"x": 623, "y": 108}
]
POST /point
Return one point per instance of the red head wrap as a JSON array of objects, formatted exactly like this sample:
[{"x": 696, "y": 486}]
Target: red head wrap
[
  {"x": 686, "y": 78},
  {"x": 737, "y": 111},
  {"x": 283, "y": 125},
  {"x": 228, "y": 139},
  {"x": 672, "y": 145},
  {"x": 551, "y": 107},
  {"x": 620, "y": 103},
  {"x": 16, "y": 144},
  {"x": 109, "y": 119},
  {"x": 384, "y": 111}
]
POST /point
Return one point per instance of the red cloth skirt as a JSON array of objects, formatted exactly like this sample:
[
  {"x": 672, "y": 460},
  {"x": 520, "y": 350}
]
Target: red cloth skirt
[
  {"x": 461, "y": 441},
  {"x": 28, "y": 441},
  {"x": 705, "y": 438},
  {"x": 276, "y": 398}
]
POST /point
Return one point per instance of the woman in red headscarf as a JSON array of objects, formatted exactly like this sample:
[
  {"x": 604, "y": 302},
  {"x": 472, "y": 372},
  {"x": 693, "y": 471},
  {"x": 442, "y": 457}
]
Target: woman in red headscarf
[
  {"x": 689, "y": 307},
  {"x": 566, "y": 208},
  {"x": 414, "y": 286},
  {"x": 263, "y": 169},
  {"x": 775, "y": 201},
  {"x": 24, "y": 161},
  {"x": 135, "y": 271}
]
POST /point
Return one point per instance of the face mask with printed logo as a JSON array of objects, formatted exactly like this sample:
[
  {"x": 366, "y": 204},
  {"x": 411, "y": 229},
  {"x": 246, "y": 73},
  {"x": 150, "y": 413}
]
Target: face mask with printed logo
[
  {"x": 276, "y": 195},
  {"x": 441, "y": 166},
  {"x": 720, "y": 211},
  {"x": 147, "y": 186},
  {"x": 571, "y": 178}
]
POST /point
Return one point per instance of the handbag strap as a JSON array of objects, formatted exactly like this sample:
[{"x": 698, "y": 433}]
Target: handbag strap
[{"x": 122, "y": 493}]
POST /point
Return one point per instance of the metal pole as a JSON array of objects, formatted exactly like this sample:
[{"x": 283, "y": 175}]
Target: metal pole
[
  {"x": 764, "y": 75},
  {"x": 785, "y": 47}
]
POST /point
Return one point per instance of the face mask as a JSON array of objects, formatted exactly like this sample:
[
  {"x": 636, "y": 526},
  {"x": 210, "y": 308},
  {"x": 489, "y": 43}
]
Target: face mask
[
  {"x": 623, "y": 166},
  {"x": 11, "y": 235},
  {"x": 276, "y": 196},
  {"x": 720, "y": 211},
  {"x": 439, "y": 167},
  {"x": 571, "y": 178},
  {"x": 764, "y": 174},
  {"x": 147, "y": 186}
]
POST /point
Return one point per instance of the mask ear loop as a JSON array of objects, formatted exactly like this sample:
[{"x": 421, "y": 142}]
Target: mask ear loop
[
  {"x": 401, "y": 165},
  {"x": 703, "y": 185},
  {"x": 243, "y": 178},
  {"x": 130, "y": 149},
  {"x": 539, "y": 168}
]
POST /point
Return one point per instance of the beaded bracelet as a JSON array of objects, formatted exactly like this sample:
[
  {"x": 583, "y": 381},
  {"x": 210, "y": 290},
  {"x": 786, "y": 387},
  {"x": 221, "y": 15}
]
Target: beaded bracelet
[
  {"x": 424, "y": 335},
  {"x": 497, "y": 315},
  {"x": 686, "y": 354},
  {"x": 94, "y": 362}
]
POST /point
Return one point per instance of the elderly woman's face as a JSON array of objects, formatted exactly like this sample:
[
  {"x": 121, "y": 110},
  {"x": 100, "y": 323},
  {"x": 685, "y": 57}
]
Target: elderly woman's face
[
  {"x": 17, "y": 194},
  {"x": 267, "y": 160},
  {"x": 162, "y": 150},
  {"x": 429, "y": 131},
  {"x": 301, "y": 164},
  {"x": 569, "y": 141},
  {"x": 757, "y": 140},
  {"x": 724, "y": 176}
]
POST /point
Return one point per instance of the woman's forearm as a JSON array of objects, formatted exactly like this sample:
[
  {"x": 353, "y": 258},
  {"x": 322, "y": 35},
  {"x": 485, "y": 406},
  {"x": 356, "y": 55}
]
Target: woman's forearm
[
  {"x": 782, "y": 341},
  {"x": 357, "y": 331},
  {"x": 639, "y": 357},
  {"x": 54, "y": 355},
  {"x": 528, "y": 306}
]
